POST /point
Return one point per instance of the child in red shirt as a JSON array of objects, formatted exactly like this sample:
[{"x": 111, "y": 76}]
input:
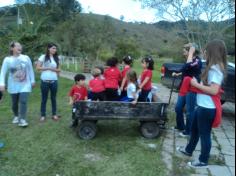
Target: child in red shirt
[
  {"x": 77, "y": 93},
  {"x": 128, "y": 63},
  {"x": 145, "y": 85},
  {"x": 97, "y": 86},
  {"x": 112, "y": 77}
]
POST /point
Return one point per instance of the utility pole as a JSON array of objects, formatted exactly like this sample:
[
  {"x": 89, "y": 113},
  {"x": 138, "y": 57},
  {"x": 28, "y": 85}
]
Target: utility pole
[{"x": 19, "y": 20}]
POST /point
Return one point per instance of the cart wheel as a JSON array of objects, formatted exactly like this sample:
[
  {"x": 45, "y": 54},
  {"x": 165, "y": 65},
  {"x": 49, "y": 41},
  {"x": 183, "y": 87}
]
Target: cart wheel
[
  {"x": 150, "y": 130},
  {"x": 87, "y": 130}
]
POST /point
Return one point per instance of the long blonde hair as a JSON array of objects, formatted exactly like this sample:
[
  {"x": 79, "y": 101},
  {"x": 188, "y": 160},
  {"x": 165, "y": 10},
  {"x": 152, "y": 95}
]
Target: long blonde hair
[{"x": 215, "y": 53}]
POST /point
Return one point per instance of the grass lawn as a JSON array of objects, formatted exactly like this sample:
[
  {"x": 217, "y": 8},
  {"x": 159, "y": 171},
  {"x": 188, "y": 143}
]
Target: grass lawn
[{"x": 53, "y": 149}]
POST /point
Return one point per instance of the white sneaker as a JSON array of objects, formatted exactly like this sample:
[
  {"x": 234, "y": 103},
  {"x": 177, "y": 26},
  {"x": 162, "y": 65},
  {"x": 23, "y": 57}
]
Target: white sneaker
[
  {"x": 23, "y": 123},
  {"x": 15, "y": 120}
]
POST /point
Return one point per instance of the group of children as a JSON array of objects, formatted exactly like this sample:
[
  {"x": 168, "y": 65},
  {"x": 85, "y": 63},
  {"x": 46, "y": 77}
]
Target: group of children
[{"x": 111, "y": 84}]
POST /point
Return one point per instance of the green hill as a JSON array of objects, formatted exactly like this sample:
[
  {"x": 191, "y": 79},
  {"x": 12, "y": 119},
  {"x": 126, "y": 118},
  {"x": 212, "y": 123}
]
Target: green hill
[{"x": 98, "y": 36}]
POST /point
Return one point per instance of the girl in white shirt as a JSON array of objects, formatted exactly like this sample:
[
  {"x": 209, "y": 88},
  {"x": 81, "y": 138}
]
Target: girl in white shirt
[
  {"x": 132, "y": 95},
  {"x": 20, "y": 81},
  {"x": 48, "y": 64},
  {"x": 212, "y": 78}
]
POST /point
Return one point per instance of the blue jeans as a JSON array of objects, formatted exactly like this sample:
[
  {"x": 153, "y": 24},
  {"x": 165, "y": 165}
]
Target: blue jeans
[
  {"x": 20, "y": 99},
  {"x": 143, "y": 96},
  {"x": 201, "y": 128},
  {"x": 190, "y": 106},
  {"x": 190, "y": 101},
  {"x": 181, "y": 101},
  {"x": 45, "y": 88}
]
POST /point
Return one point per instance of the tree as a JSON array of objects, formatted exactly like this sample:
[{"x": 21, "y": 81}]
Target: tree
[
  {"x": 194, "y": 14},
  {"x": 126, "y": 47}
]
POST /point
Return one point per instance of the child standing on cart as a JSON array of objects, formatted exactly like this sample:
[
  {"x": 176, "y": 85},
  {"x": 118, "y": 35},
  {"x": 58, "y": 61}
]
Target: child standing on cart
[{"x": 77, "y": 93}]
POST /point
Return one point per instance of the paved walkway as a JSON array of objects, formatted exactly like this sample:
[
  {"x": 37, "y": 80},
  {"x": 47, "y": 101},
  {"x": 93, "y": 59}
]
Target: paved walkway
[{"x": 222, "y": 161}]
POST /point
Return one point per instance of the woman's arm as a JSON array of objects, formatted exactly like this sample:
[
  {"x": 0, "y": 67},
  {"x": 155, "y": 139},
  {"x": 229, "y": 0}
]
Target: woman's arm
[
  {"x": 39, "y": 66},
  {"x": 212, "y": 89},
  {"x": 31, "y": 73},
  {"x": 190, "y": 54}
]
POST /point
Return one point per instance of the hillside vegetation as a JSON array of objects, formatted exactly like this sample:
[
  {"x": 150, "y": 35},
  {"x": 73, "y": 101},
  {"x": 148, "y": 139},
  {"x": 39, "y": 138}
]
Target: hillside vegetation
[{"x": 97, "y": 36}]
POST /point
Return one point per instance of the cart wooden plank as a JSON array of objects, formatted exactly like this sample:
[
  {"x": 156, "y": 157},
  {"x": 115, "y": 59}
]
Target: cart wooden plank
[{"x": 92, "y": 110}]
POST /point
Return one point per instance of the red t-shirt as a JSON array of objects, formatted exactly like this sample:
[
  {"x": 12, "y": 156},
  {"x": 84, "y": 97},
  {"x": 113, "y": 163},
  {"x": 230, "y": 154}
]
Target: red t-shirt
[
  {"x": 147, "y": 73},
  {"x": 78, "y": 93},
  {"x": 97, "y": 85},
  {"x": 123, "y": 74},
  {"x": 112, "y": 77}
]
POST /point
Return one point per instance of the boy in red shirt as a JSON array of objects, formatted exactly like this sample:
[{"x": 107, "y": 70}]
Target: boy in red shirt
[
  {"x": 77, "y": 93},
  {"x": 97, "y": 86},
  {"x": 112, "y": 77}
]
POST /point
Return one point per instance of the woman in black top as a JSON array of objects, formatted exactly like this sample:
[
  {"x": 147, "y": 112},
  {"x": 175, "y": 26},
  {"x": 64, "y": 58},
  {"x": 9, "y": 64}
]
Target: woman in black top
[{"x": 191, "y": 68}]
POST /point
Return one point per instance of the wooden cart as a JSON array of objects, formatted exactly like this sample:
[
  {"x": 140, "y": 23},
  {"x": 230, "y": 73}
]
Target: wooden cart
[{"x": 150, "y": 115}]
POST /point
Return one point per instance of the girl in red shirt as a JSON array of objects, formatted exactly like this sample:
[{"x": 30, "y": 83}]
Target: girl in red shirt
[
  {"x": 112, "y": 77},
  {"x": 127, "y": 61},
  {"x": 145, "y": 85},
  {"x": 97, "y": 86}
]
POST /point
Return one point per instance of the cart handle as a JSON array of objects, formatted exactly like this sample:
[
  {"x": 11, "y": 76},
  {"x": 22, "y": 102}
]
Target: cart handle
[{"x": 171, "y": 90}]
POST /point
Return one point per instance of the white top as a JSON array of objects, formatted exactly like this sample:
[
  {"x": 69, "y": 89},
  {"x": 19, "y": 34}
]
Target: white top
[
  {"x": 21, "y": 74},
  {"x": 131, "y": 89},
  {"x": 48, "y": 74},
  {"x": 215, "y": 76}
]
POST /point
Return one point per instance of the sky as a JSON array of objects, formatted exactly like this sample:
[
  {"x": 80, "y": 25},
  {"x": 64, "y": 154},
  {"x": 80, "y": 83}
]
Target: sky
[{"x": 130, "y": 9}]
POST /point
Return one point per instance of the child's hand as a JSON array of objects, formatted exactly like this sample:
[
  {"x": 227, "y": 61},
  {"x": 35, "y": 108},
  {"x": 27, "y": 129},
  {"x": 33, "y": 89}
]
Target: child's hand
[
  {"x": 174, "y": 74},
  {"x": 70, "y": 102},
  {"x": 134, "y": 102}
]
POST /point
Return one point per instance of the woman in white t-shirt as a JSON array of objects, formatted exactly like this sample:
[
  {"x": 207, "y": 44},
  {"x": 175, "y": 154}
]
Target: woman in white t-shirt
[
  {"x": 20, "y": 81},
  {"x": 204, "y": 115},
  {"x": 48, "y": 64}
]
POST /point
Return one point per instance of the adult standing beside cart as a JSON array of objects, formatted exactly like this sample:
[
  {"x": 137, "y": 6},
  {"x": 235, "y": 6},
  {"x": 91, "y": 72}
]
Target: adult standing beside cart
[
  {"x": 20, "y": 81},
  {"x": 191, "y": 68},
  {"x": 48, "y": 64}
]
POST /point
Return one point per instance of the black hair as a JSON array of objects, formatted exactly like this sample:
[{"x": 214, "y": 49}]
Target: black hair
[
  {"x": 128, "y": 60},
  {"x": 55, "y": 56},
  {"x": 12, "y": 45},
  {"x": 79, "y": 77},
  {"x": 149, "y": 61},
  {"x": 112, "y": 62}
]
